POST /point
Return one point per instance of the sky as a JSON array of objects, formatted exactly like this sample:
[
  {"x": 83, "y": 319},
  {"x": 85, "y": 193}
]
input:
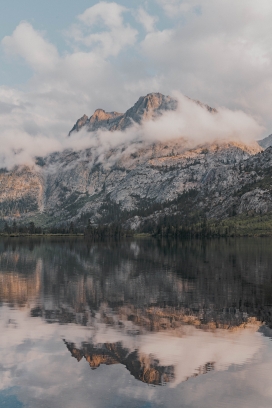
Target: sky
[{"x": 62, "y": 59}]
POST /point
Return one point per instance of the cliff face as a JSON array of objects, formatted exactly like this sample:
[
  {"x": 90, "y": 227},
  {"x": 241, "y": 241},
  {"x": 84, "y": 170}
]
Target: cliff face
[
  {"x": 21, "y": 191},
  {"x": 72, "y": 184}
]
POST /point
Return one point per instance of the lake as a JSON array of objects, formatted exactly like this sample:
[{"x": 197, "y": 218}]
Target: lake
[{"x": 137, "y": 323}]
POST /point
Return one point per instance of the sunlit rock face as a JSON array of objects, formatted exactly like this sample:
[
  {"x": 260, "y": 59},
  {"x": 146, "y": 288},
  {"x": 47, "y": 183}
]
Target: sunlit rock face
[
  {"x": 146, "y": 108},
  {"x": 86, "y": 184},
  {"x": 100, "y": 119}
]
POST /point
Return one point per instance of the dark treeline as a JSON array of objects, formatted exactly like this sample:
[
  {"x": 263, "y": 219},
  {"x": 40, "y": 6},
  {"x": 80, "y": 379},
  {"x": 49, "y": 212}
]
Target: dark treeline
[
  {"x": 166, "y": 227},
  {"x": 103, "y": 231},
  {"x": 90, "y": 231},
  {"x": 15, "y": 228},
  {"x": 198, "y": 230},
  {"x": 31, "y": 229}
]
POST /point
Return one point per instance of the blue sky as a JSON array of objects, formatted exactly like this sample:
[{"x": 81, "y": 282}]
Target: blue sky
[
  {"x": 61, "y": 59},
  {"x": 53, "y": 18}
]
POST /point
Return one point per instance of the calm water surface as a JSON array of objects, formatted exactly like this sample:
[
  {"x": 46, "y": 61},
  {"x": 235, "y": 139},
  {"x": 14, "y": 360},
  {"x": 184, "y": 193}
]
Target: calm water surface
[{"x": 138, "y": 323}]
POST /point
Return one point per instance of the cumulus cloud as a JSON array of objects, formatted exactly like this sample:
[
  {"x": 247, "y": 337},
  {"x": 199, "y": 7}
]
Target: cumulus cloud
[
  {"x": 146, "y": 19},
  {"x": 175, "y": 7},
  {"x": 217, "y": 53},
  {"x": 190, "y": 125},
  {"x": 31, "y": 45},
  {"x": 110, "y": 41}
]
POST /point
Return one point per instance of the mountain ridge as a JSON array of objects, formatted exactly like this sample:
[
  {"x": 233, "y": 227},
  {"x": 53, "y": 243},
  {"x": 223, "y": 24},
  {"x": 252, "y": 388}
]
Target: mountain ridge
[
  {"x": 147, "y": 107},
  {"x": 79, "y": 186},
  {"x": 266, "y": 142}
]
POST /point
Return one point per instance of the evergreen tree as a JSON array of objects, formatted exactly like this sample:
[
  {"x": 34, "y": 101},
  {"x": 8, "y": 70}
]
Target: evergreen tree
[
  {"x": 14, "y": 227},
  {"x": 6, "y": 228},
  {"x": 31, "y": 228}
]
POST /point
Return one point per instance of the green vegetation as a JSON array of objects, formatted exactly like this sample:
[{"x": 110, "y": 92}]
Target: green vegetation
[
  {"x": 174, "y": 218},
  {"x": 238, "y": 226},
  {"x": 89, "y": 232},
  {"x": 250, "y": 225},
  {"x": 30, "y": 228}
]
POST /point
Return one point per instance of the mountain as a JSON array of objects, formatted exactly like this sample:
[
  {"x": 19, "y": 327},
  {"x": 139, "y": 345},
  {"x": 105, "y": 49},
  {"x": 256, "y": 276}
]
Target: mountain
[
  {"x": 138, "y": 183},
  {"x": 146, "y": 108},
  {"x": 266, "y": 142}
]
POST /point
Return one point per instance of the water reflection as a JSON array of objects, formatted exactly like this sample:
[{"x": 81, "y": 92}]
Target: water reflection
[
  {"x": 158, "y": 312},
  {"x": 143, "y": 367}
]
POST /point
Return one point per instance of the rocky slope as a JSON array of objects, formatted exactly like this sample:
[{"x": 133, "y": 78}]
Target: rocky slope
[
  {"x": 266, "y": 142},
  {"x": 66, "y": 186}
]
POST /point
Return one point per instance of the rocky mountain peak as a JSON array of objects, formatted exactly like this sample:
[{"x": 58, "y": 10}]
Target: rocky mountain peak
[
  {"x": 149, "y": 106},
  {"x": 79, "y": 124},
  {"x": 100, "y": 115},
  {"x": 146, "y": 108}
]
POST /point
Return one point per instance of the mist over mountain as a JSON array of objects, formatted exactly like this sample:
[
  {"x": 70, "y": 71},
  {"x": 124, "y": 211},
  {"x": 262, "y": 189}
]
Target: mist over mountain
[
  {"x": 146, "y": 108},
  {"x": 119, "y": 167}
]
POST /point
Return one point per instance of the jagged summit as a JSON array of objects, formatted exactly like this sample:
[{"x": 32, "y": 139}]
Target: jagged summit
[
  {"x": 151, "y": 105},
  {"x": 79, "y": 124},
  {"x": 146, "y": 108},
  {"x": 99, "y": 119},
  {"x": 100, "y": 115}
]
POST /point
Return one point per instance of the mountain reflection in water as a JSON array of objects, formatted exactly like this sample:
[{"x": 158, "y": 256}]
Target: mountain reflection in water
[
  {"x": 143, "y": 368},
  {"x": 165, "y": 311}
]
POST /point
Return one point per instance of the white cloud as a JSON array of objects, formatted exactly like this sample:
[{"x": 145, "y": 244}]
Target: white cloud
[
  {"x": 217, "y": 52},
  {"x": 109, "y": 13},
  {"x": 175, "y": 7},
  {"x": 146, "y": 20},
  {"x": 110, "y": 41},
  {"x": 30, "y": 44},
  {"x": 25, "y": 137},
  {"x": 38, "y": 369}
]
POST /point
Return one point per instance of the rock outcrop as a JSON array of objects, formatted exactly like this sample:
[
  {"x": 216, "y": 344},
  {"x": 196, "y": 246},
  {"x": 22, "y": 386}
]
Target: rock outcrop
[{"x": 146, "y": 108}]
